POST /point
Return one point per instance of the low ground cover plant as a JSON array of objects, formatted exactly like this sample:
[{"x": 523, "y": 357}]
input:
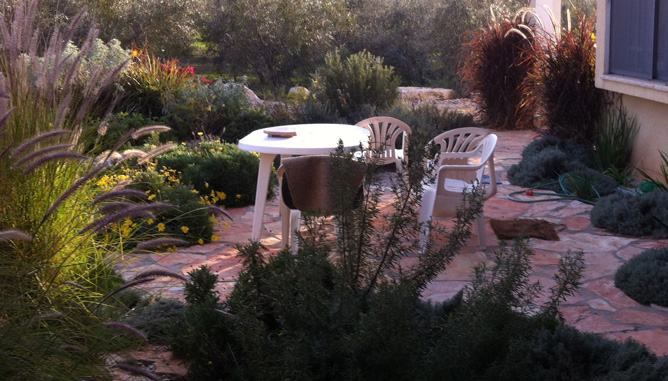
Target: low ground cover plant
[
  {"x": 643, "y": 278},
  {"x": 633, "y": 214}
]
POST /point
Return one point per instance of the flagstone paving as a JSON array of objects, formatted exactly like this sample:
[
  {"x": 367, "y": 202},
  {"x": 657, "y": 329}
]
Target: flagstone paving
[{"x": 598, "y": 307}]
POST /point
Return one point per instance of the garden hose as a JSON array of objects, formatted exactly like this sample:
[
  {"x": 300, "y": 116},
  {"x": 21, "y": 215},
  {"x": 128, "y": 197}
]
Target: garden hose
[{"x": 566, "y": 196}]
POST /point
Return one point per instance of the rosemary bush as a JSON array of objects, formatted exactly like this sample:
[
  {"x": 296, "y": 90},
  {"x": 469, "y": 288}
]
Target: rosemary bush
[
  {"x": 344, "y": 307},
  {"x": 358, "y": 81}
]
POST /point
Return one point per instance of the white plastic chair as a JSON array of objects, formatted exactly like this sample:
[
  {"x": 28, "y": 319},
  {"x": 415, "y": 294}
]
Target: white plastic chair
[
  {"x": 385, "y": 131},
  {"x": 442, "y": 198}
]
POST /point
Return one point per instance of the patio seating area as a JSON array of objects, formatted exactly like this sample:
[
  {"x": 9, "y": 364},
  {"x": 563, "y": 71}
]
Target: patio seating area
[{"x": 599, "y": 306}]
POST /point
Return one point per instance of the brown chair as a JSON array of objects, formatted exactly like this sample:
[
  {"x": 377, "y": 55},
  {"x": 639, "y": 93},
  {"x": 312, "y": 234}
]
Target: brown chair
[{"x": 306, "y": 186}]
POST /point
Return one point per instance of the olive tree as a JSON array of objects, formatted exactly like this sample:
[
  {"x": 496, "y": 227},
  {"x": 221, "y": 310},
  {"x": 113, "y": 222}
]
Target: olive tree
[{"x": 276, "y": 39}]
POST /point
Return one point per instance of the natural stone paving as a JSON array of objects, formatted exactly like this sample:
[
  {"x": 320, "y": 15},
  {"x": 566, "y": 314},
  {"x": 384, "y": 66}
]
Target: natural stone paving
[{"x": 598, "y": 307}]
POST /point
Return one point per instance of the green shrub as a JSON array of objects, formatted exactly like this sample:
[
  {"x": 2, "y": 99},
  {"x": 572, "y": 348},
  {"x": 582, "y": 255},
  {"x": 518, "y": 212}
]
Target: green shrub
[
  {"x": 221, "y": 109},
  {"x": 111, "y": 130},
  {"x": 359, "y": 81},
  {"x": 633, "y": 215},
  {"x": 190, "y": 219},
  {"x": 314, "y": 111},
  {"x": 430, "y": 119},
  {"x": 544, "y": 160},
  {"x": 148, "y": 81},
  {"x": 497, "y": 67},
  {"x": 202, "y": 335},
  {"x": 643, "y": 278},
  {"x": 571, "y": 102},
  {"x": 220, "y": 170}
]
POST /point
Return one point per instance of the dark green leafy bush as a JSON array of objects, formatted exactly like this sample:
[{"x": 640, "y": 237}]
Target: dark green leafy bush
[
  {"x": 497, "y": 67},
  {"x": 544, "y": 160},
  {"x": 633, "y": 215},
  {"x": 110, "y": 131},
  {"x": 221, "y": 171},
  {"x": 190, "y": 219},
  {"x": 221, "y": 109},
  {"x": 644, "y": 277},
  {"x": 359, "y": 81}
]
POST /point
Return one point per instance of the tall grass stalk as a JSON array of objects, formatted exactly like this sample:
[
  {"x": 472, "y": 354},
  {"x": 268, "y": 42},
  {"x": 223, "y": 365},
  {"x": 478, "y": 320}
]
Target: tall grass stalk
[
  {"x": 614, "y": 146},
  {"x": 51, "y": 275}
]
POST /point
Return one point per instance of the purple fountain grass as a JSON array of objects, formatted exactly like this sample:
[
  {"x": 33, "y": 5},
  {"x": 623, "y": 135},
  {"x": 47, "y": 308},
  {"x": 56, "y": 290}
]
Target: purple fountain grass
[
  {"x": 5, "y": 117},
  {"x": 115, "y": 206},
  {"x": 43, "y": 151},
  {"x": 120, "y": 193},
  {"x": 51, "y": 157},
  {"x": 71, "y": 348},
  {"x": 149, "y": 130},
  {"x": 4, "y": 151},
  {"x": 132, "y": 153},
  {"x": 152, "y": 274},
  {"x": 138, "y": 371},
  {"x": 127, "y": 328},
  {"x": 72, "y": 189},
  {"x": 77, "y": 285},
  {"x": 36, "y": 139},
  {"x": 7, "y": 235},
  {"x": 156, "y": 152},
  {"x": 125, "y": 286},
  {"x": 220, "y": 211},
  {"x": 62, "y": 111},
  {"x": 138, "y": 210},
  {"x": 157, "y": 242}
]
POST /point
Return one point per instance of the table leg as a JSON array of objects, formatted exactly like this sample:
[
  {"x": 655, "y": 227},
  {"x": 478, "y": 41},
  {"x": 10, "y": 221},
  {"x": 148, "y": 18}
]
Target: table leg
[{"x": 266, "y": 161}]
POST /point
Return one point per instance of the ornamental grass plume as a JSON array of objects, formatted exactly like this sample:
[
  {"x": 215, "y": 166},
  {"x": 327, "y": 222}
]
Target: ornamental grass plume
[{"x": 47, "y": 199}]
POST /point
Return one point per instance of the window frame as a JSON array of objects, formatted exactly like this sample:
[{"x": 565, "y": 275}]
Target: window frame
[{"x": 652, "y": 89}]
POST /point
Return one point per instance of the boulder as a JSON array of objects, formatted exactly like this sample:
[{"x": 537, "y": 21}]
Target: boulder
[{"x": 424, "y": 94}]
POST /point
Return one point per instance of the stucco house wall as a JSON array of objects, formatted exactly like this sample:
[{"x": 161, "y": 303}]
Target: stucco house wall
[{"x": 644, "y": 99}]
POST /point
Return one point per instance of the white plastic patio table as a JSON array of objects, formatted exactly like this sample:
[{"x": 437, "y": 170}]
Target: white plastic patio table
[{"x": 310, "y": 139}]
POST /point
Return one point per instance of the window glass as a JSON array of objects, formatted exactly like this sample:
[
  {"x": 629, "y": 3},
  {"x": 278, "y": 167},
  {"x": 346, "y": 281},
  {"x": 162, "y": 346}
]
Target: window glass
[
  {"x": 631, "y": 37},
  {"x": 662, "y": 41}
]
